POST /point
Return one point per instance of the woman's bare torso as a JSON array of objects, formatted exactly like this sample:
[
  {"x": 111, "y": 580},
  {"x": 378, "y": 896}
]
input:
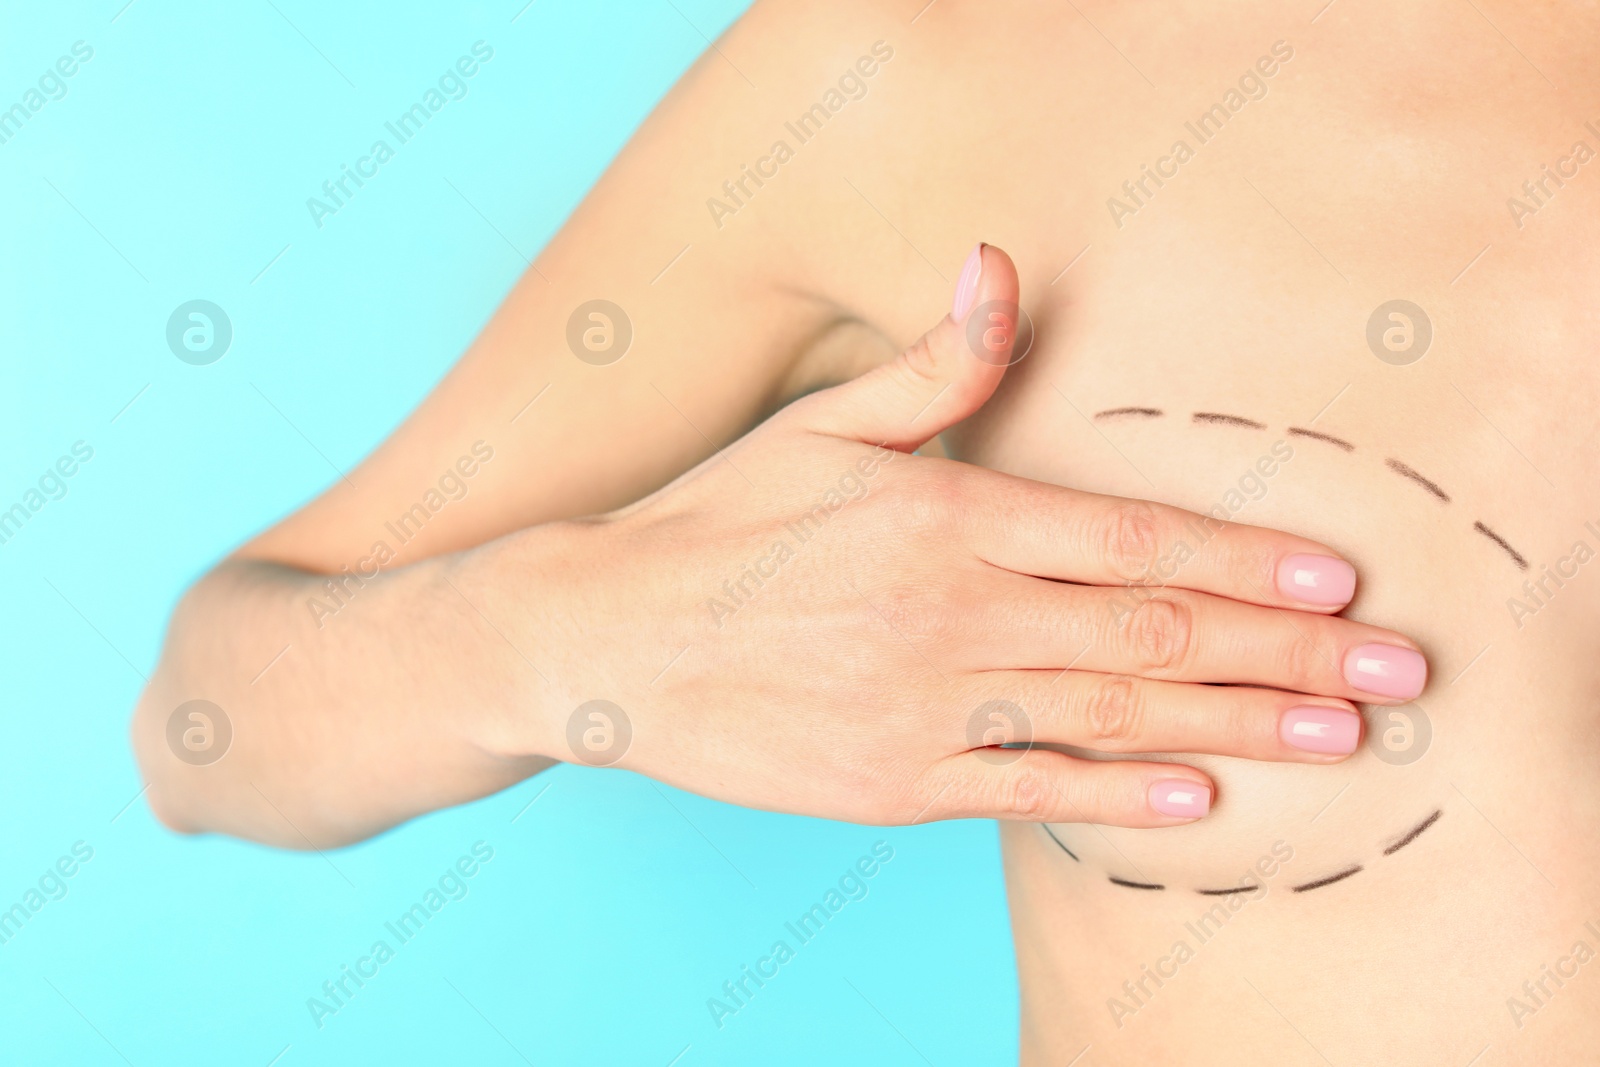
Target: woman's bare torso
[
  {"x": 1207, "y": 205},
  {"x": 1224, "y": 293}
]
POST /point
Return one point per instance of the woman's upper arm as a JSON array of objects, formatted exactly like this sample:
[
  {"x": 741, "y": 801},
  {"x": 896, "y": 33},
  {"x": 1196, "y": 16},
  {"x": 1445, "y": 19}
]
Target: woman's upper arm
[{"x": 522, "y": 430}]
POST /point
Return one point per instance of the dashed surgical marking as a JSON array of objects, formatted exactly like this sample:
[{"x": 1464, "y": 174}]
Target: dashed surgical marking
[
  {"x": 1134, "y": 885},
  {"x": 1114, "y": 413},
  {"x": 1315, "y": 435},
  {"x": 1414, "y": 832},
  {"x": 1405, "y": 470},
  {"x": 1058, "y": 841},
  {"x": 1408, "y": 472},
  {"x": 1516, "y": 557},
  {"x": 1339, "y": 876},
  {"x": 1332, "y": 878},
  {"x": 1218, "y": 419}
]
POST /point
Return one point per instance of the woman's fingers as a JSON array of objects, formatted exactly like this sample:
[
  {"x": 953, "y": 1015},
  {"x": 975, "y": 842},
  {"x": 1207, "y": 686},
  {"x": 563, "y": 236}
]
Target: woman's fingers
[
  {"x": 1121, "y": 713},
  {"x": 1054, "y": 532},
  {"x": 1037, "y": 785},
  {"x": 939, "y": 380},
  {"x": 1182, "y": 636}
]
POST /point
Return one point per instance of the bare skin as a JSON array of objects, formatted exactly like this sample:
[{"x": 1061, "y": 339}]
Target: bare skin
[
  {"x": 814, "y": 692},
  {"x": 1375, "y": 164}
]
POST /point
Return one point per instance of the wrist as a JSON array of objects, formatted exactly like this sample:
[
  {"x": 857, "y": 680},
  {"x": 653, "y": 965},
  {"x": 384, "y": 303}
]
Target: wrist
[{"x": 517, "y": 598}]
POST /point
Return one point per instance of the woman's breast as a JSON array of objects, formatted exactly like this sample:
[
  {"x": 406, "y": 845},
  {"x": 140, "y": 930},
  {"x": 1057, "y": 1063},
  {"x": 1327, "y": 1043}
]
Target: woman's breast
[
  {"x": 1451, "y": 473},
  {"x": 1452, "y": 857},
  {"x": 1327, "y": 322}
]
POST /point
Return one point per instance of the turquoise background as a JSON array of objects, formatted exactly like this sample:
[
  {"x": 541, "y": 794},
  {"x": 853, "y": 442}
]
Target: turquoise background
[{"x": 176, "y": 167}]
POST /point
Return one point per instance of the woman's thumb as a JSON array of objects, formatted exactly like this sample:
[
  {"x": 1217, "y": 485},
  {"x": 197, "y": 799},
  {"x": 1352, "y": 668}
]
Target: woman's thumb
[{"x": 943, "y": 377}]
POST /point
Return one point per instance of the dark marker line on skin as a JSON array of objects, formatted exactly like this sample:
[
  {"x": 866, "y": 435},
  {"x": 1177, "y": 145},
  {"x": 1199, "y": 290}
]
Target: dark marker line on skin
[
  {"x": 1406, "y": 472},
  {"x": 1295, "y": 431},
  {"x": 1057, "y": 840},
  {"x": 1149, "y": 413},
  {"x": 1516, "y": 556},
  {"x": 1134, "y": 885},
  {"x": 1412, "y": 836},
  {"x": 1228, "y": 420},
  {"x": 1332, "y": 878}
]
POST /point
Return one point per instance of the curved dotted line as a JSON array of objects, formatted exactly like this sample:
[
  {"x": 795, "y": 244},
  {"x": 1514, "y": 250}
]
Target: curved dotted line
[
  {"x": 1316, "y": 435},
  {"x": 1501, "y": 541},
  {"x": 1407, "y": 472},
  {"x": 1412, "y": 836},
  {"x": 1330, "y": 879},
  {"x": 1134, "y": 885},
  {"x": 1058, "y": 841},
  {"x": 1228, "y": 420},
  {"x": 1316, "y": 883},
  {"x": 1217, "y": 418}
]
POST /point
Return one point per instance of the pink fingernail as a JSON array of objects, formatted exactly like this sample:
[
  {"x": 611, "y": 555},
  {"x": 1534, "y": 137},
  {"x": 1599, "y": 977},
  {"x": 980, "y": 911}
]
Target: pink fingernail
[
  {"x": 1387, "y": 670},
  {"x": 1332, "y": 731},
  {"x": 1325, "y": 580},
  {"x": 967, "y": 284},
  {"x": 1181, "y": 798}
]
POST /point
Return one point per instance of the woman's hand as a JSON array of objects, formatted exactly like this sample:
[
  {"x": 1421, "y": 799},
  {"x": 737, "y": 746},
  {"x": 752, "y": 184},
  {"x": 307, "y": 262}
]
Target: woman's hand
[{"x": 817, "y": 621}]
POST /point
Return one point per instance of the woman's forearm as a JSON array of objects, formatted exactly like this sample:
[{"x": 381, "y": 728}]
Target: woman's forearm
[{"x": 353, "y": 704}]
